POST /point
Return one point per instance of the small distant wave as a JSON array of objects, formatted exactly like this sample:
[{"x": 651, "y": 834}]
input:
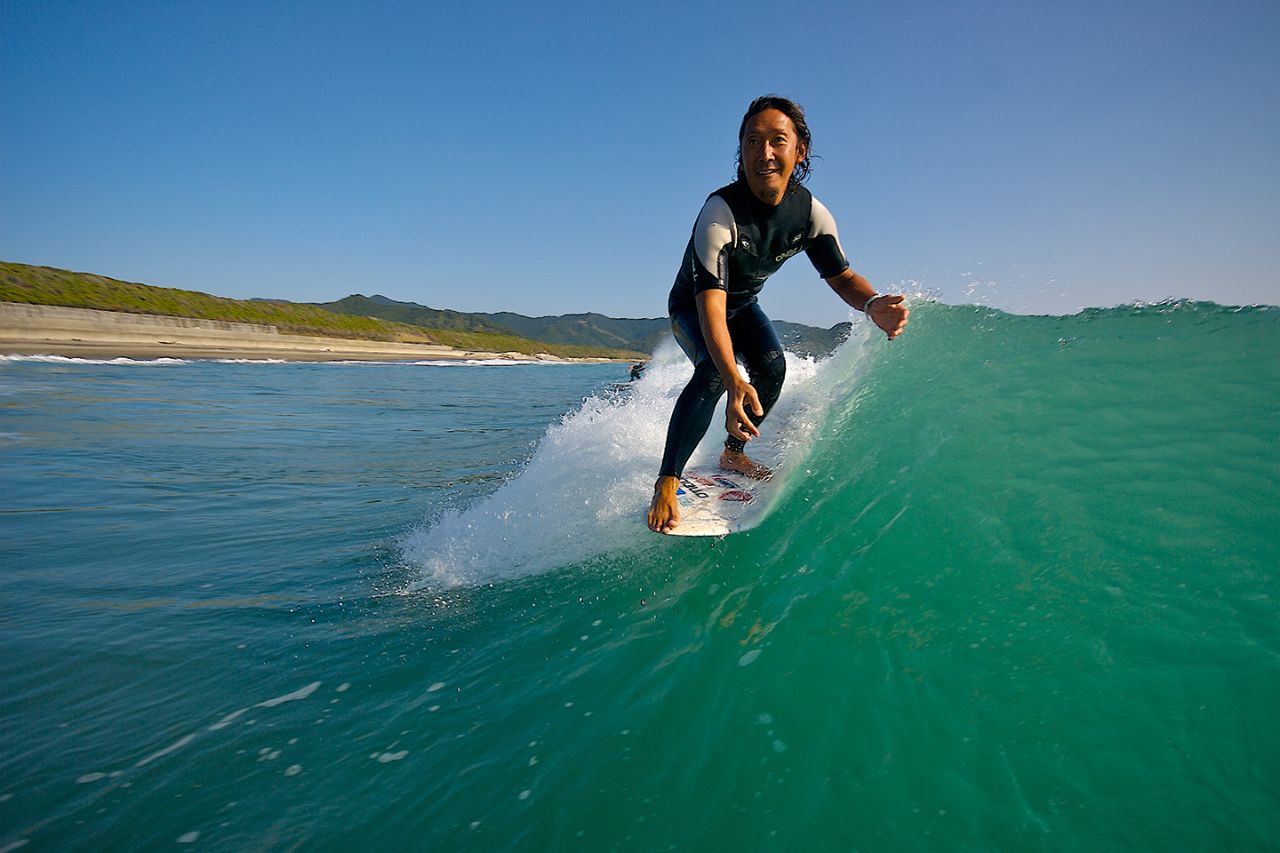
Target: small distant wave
[
  {"x": 483, "y": 362},
  {"x": 63, "y": 359},
  {"x": 461, "y": 362},
  {"x": 165, "y": 361}
]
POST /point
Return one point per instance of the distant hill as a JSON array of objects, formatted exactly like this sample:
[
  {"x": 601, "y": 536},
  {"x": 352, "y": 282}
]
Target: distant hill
[
  {"x": 642, "y": 334},
  {"x": 379, "y": 318},
  {"x": 411, "y": 312},
  {"x": 49, "y": 286}
]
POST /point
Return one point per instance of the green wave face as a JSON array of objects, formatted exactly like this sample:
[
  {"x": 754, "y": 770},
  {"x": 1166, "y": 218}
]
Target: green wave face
[{"x": 1019, "y": 593}]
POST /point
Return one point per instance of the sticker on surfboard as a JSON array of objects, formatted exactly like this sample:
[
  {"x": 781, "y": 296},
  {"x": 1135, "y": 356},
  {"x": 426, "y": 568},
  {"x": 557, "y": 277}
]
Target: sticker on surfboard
[{"x": 716, "y": 503}]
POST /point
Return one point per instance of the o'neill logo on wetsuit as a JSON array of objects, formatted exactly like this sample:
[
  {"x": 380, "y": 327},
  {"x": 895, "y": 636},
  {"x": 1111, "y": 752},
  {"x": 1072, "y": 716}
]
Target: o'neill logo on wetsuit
[{"x": 796, "y": 246}]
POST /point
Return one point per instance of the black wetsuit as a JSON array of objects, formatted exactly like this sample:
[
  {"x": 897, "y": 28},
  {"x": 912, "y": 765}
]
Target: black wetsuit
[{"x": 737, "y": 243}]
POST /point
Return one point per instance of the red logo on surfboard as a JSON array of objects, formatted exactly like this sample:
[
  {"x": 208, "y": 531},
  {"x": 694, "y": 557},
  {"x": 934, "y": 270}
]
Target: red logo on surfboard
[{"x": 737, "y": 495}]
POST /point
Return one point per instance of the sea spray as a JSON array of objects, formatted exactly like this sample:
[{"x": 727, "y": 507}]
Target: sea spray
[{"x": 585, "y": 491}]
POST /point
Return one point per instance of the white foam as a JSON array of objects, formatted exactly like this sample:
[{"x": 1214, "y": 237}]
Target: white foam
[
  {"x": 457, "y": 362},
  {"x": 174, "y": 747},
  {"x": 584, "y": 492},
  {"x": 227, "y": 720},
  {"x": 483, "y": 362},
  {"x": 63, "y": 359},
  {"x": 301, "y": 693}
]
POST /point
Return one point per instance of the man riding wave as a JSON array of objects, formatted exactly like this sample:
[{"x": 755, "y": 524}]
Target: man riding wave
[{"x": 743, "y": 234}]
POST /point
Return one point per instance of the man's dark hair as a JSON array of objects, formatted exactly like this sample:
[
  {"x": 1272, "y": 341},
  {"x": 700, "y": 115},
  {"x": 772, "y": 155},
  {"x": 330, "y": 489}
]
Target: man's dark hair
[{"x": 791, "y": 110}]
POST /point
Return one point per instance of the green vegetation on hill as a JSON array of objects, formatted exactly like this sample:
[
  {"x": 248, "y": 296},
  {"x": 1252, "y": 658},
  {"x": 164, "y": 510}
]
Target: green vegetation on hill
[
  {"x": 419, "y": 315},
  {"x": 49, "y": 286},
  {"x": 636, "y": 335},
  {"x": 589, "y": 328},
  {"x": 379, "y": 318}
]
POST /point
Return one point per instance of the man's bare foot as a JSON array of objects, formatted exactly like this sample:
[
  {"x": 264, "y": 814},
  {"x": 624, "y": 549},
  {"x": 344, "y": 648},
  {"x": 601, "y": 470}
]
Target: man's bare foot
[
  {"x": 664, "y": 510},
  {"x": 740, "y": 463}
]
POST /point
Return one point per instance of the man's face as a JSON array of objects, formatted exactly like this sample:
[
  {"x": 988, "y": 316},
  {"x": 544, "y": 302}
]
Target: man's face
[{"x": 770, "y": 150}]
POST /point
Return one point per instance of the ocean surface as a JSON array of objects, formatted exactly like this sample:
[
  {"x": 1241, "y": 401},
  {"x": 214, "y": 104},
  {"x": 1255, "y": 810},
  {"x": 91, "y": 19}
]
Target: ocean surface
[{"x": 1019, "y": 593}]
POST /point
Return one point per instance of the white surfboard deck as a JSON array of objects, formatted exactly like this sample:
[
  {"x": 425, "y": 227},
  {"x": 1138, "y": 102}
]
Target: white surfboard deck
[{"x": 717, "y": 503}]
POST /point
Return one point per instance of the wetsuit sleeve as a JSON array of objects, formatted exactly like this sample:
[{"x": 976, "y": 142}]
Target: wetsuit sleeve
[
  {"x": 824, "y": 249},
  {"x": 713, "y": 235}
]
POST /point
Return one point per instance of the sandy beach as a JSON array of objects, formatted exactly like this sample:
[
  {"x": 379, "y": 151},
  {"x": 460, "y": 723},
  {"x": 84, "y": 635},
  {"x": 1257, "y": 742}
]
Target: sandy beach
[{"x": 83, "y": 333}]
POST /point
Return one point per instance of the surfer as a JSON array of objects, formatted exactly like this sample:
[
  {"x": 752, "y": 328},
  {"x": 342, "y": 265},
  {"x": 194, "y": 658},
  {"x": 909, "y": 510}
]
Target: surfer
[{"x": 744, "y": 233}]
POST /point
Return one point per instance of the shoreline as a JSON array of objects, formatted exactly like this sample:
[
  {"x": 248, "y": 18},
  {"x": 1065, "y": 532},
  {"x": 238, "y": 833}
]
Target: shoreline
[{"x": 55, "y": 330}]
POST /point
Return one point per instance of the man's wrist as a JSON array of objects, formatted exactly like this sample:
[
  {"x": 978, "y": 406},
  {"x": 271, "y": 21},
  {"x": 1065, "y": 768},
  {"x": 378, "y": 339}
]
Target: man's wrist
[{"x": 866, "y": 306}]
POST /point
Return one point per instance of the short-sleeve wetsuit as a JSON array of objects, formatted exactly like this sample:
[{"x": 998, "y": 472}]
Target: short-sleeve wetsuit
[{"x": 738, "y": 241}]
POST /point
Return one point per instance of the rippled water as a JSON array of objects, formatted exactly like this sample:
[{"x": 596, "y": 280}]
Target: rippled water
[{"x": 1019, "y": 594}]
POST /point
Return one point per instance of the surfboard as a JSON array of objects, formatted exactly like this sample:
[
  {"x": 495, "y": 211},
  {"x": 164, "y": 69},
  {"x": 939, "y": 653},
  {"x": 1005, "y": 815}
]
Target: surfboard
[{"x": 717, "y": 503}]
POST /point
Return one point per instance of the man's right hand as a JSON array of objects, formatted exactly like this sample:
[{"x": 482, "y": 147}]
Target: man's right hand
[{"x": 736, "y": 422}]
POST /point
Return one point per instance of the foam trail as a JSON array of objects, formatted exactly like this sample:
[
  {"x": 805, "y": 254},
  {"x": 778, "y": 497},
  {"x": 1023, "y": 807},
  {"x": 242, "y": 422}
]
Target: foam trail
[
  {"x": 584, "y": 492},
  {"x": 451, "y": 362},
  {"x": 173, "y": 747}
]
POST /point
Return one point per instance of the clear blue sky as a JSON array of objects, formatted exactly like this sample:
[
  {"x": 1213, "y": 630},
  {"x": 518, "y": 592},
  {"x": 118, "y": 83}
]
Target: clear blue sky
[{"x": 550, "y": 157}]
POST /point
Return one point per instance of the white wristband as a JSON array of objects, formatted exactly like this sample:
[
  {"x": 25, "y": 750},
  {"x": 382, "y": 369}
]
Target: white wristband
[{"x": 866, "y": 307}]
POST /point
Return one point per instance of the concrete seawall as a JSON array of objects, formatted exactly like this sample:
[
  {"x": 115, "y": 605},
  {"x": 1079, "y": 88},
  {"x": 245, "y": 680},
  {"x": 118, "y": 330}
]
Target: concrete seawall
[{"x": 80, "y": 332}]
